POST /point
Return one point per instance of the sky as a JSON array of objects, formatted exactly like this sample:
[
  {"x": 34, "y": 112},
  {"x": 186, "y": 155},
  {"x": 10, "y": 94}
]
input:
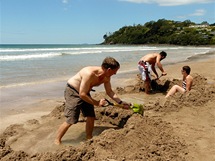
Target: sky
[{"x": 87, "y": 21}]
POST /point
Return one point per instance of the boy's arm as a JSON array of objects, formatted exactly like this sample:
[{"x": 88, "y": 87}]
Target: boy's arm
[
  {"x": 160, "y": 65},
  {"x": 110, "y": 92},
  {"x": 154, "y": 70}
]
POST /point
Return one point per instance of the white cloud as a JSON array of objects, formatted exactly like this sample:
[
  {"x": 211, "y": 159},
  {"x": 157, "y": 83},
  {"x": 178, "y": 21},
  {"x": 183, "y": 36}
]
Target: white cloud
[
  {"x": 66, "y": 4},
  {"x": 169, "y": 2},
  {"x": 199, "y": 12},
  {"x": 65, "y": 1}
]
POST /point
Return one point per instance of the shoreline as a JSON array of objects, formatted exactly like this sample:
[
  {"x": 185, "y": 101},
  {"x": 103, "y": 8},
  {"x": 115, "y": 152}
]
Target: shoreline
[
  {"x": 55, "y": 89},
  {"x": 125, "y": 65}
]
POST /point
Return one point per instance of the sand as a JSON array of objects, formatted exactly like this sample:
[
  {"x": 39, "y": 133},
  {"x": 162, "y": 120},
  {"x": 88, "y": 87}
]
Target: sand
[{"x": 179, "y": 128}]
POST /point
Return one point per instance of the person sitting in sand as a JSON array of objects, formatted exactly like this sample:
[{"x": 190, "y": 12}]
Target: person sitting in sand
[
  {"x": 78, "y": 98},
  {"x": 186, "y": 83},
  {"x": 147, "y": 63}
]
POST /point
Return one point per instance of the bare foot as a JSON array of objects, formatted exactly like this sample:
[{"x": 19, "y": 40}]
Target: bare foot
[
  {"x": 88, "y": 137},
  {"x": 57, "y": 142}
]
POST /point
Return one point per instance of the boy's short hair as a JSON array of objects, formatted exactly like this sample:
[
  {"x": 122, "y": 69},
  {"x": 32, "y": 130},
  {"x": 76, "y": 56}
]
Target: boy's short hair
[
  {"x": 163, "y": 53},
  {"x": 110, "y": 62},
  {"x": 186, "y": 69}
]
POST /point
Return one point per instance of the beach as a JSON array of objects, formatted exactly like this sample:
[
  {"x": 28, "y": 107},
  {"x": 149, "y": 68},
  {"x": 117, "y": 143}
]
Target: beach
[{"x": 180, "y": 128}]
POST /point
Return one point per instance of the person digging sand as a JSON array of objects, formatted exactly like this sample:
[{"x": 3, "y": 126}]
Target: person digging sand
[
  {"x": 147, "y": 64},
  {"x": 78, "y": 98}
]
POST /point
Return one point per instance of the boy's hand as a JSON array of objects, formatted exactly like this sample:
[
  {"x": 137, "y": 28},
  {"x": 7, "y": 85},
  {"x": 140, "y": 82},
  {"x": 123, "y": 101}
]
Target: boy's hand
[
  {"x": 164, "y": 73},
  {"x": 125, "y": 105},
  {"x": 102, "y": 102}
]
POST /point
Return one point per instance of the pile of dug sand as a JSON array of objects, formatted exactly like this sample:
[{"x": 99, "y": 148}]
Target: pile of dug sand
[{"x": 129, "y": 136}]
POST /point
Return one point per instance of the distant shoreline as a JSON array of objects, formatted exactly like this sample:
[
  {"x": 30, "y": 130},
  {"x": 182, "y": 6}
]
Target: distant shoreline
[{"x": 213, "y": 46}]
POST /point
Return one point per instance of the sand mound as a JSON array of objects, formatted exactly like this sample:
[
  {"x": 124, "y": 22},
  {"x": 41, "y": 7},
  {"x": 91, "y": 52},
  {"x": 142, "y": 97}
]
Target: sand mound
[
  {"x": 137, "y": 138},
  {"x": 132, "y": 136},
  {"x": 200, "y": 94}
]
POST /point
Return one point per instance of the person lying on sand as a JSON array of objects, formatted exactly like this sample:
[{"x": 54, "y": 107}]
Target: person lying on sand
[
  {"x": 186, "y": 83},
  {"x": 78, "y": 98},
  {"x": 147, "y": 63}
]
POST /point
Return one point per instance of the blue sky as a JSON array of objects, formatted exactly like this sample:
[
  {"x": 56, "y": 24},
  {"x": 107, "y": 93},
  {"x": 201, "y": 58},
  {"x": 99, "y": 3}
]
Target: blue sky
[{"x": 86, "y": 21}]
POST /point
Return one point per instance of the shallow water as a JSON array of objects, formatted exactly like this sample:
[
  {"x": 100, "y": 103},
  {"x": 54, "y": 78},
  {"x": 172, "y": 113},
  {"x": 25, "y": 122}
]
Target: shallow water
[{"x": 33, "y": 72}]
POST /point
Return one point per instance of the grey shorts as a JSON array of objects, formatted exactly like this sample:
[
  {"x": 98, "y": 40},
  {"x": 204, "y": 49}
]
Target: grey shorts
[{"x": 74, "y": 104}]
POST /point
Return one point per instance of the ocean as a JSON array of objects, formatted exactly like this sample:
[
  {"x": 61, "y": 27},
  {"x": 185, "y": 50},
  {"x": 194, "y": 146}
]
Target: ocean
[{"x": 39, "y": 71}]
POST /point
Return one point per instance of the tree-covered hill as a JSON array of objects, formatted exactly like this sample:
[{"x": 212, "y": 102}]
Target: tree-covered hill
[{"x": 164, "y": 32}]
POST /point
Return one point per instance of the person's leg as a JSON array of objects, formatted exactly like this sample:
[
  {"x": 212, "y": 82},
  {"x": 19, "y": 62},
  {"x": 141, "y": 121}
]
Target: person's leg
[
  {"x": 89, "y": 127},
  {"x": 71, "y": 112},
  {"x": 174, "y": 89},
  {"x": 147, "y": 87},
  {"x": 61, "y": 131},
  {"x": 143, "y": 76}
]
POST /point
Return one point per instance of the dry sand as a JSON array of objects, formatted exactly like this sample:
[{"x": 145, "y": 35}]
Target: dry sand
[{"x": 179, "y": 128}]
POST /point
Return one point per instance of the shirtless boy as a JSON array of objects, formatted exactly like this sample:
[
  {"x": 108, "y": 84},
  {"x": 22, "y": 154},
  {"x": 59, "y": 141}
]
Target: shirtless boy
[
  {"x": 77, "y": 95},
  {"x": 147, "y": 64}
]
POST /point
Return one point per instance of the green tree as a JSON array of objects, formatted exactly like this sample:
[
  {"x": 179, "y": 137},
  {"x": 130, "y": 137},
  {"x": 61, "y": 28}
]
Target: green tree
[{"x": 163, "y": 32}]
